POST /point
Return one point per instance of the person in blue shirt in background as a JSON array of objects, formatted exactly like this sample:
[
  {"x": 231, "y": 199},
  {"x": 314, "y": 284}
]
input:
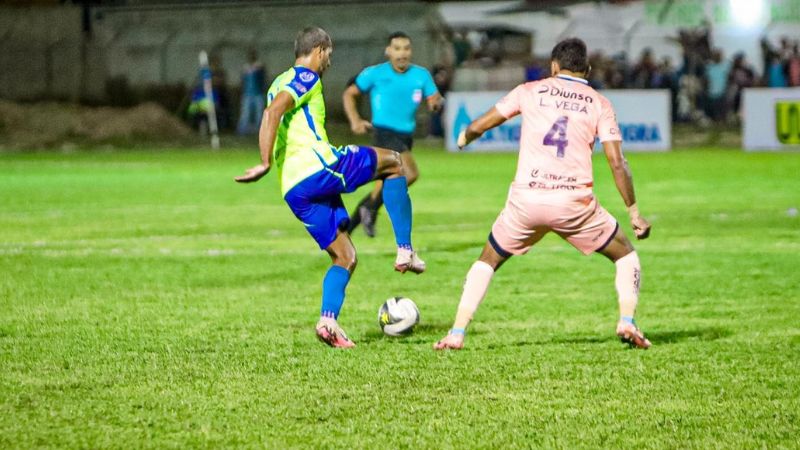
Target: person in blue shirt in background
[
  {"x": 254, "y": 81},
  {"x": 396, "y": 88}
]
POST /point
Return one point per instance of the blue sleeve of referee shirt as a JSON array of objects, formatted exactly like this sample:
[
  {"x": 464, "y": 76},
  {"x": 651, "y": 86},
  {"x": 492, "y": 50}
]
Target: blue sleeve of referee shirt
[
  {"x": 366, "y": 79},
  {"x": 428, "y": 86}
]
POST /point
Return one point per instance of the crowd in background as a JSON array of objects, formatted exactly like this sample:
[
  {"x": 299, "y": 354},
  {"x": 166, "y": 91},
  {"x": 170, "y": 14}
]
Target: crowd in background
[{"x": 706, "y": 85}]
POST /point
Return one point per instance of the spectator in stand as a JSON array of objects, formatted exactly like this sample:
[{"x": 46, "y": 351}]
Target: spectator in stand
[
  {"x": 741, "y": 76},
  {"x": 462, "y": 50},
  {"x": 441, "y": 78},
  {"x": 716, "y": 84},
  {"x": 254, "y": 80},
  {"x": 775, "y": 72},
  {"x": 620, "y": 72},
  {"x": 220, "y": 85},
  {"x": 599, "y": 72},
  {"x": 786, "y": 49},
  {"x": 666, "y": 78},
  {"x": 768, "y": 52},
  {"x": 534, "y": 71},
  {"x": 644, "y": 72},
  {"x": 793, "y": 66}
]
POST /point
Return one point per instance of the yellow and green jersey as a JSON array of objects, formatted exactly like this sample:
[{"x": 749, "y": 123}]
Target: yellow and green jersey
[{"x": 301, "y": 147}]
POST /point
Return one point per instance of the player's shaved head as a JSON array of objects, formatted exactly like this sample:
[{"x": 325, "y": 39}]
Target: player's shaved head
[
  {"x": 571, "y": 54},
  {"x": 310, "y": 38}
]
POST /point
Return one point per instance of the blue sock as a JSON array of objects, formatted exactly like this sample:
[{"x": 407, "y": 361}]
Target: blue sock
[
  {"x": 398, "y": 205},
  {"x": 333, "y": 287},
  {"x": 628, "y": 319}
]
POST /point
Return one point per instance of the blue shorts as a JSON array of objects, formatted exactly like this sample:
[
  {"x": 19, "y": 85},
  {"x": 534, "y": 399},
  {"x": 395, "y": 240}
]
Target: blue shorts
[{"x": 317, "y": 200}]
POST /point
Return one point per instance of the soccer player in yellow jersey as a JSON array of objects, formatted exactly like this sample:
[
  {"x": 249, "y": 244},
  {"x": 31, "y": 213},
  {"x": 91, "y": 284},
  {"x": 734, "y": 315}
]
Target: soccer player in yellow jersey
[{"x": 313, "y": 175}]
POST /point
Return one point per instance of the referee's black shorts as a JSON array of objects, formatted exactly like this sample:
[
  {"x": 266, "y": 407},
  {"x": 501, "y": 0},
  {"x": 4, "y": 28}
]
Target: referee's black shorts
[{"x": 386, "y": 138}]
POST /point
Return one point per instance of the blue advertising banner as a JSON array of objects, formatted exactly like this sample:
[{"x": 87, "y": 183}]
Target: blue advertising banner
[{"x": 644, "y": 118}]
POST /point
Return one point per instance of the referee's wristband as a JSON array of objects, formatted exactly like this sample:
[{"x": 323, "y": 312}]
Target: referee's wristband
[
  {"x": 460, "y": 331},
  {"x": 633, "y": 210}
]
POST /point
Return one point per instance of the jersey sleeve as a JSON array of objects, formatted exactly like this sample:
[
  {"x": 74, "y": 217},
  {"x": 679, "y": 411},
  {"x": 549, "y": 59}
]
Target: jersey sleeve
[
  {"x": 428, "y": 86},
  {"x": 607, "y": 127},
  {"x": 366, "y": 79},
  {"x": 301, "y": 85},
  {"x": 508, "y": 106}
]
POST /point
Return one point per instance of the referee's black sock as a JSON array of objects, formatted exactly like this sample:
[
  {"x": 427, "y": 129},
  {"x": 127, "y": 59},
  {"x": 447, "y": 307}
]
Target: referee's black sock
[
  {"x": 355, "y": 218},
  {"x": 375, "y": 204}
]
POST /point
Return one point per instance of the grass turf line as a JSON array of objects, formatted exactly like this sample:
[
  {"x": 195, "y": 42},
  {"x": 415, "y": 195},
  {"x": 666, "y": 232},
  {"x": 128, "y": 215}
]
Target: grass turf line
[{"x": 148, "y": 300}]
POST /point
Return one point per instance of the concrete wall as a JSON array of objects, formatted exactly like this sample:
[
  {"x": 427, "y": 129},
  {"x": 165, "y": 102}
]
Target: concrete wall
[
  {"x": 40, "y": 51},
  {"x": 45, "y": 53}
]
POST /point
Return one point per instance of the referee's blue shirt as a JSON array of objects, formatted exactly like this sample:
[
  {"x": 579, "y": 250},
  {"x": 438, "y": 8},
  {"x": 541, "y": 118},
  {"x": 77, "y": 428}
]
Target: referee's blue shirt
[{"x": 394, "y": 96}]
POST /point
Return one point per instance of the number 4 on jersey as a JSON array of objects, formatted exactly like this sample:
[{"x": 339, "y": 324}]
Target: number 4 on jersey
[{"x": 557, "y": 136}]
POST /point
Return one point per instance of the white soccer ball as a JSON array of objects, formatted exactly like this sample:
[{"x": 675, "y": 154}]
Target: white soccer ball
[{"x": 398, "y": 316}]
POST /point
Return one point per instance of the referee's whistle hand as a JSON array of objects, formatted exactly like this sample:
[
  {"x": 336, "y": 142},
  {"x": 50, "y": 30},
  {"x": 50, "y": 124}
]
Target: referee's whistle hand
[{"x": 361, "y": 126}]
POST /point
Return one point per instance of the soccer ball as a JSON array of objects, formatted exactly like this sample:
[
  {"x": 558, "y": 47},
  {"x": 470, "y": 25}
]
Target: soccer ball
[{"x": 397, "y": 316}]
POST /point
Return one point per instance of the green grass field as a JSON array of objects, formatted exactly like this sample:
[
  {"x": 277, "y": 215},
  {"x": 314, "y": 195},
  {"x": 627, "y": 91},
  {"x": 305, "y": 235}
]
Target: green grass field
[{"x": 146, "y": 300}]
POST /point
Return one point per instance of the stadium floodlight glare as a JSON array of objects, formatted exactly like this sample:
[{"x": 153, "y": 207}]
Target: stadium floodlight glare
[{"x": 747, "y": 13}]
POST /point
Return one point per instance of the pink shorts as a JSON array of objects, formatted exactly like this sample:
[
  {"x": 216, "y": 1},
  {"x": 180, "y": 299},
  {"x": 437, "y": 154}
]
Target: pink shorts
[{"x": 575, "y": 216}]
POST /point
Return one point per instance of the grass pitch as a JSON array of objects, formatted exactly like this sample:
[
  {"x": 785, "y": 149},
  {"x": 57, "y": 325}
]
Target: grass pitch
[{"x": 146, "y": 300}]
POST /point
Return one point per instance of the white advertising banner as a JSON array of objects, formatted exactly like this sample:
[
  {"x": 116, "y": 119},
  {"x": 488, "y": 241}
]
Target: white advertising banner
[
  {"x": 771, "y": 119},
  {"x": 644, "y": 118}
]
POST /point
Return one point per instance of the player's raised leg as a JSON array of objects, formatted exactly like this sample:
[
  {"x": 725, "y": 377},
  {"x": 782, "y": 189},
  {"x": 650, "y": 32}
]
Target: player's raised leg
[
  {"x": 343, "y": 257},
  {"x": 475, "y": 286},
  {"x": 366, "y": 212},
  {"x": 398, "y": 204},
  {"x": 629, "y": 275}
]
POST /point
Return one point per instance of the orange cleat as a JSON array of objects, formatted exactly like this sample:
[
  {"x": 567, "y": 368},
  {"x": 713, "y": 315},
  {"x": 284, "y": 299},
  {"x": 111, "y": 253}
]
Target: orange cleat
[{"x": 632, "y": 335}]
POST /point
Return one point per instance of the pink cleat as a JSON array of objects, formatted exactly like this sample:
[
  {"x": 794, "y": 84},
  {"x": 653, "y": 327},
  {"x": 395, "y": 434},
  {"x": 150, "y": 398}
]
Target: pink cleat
[
  {"x": 632, "y": 335},
  {"x": 450, "y": 342},
  {"x": 329, "y": 332},
  {"x": 407, "y": 260}
]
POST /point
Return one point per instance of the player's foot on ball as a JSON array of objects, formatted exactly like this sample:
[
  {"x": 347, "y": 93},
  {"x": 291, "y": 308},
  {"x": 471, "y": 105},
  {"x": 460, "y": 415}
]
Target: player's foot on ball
[
  {"x": 632, "y": 335},
  {"x": 329, "y": 332},
  {"x": 450, "y": 342},
  {"x": 368, "y": 216},
  {"x": 408, "y": 261}
]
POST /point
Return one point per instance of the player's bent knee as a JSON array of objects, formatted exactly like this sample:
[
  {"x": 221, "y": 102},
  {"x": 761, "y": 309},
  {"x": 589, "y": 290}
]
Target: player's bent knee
[
  {"x": 619, "y": 247},
  {"x": 492, "y": 257},
  {"x": 348, "y": 261}
]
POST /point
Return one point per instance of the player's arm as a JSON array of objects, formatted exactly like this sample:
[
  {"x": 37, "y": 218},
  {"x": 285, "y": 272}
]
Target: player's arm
[
  {"x": 435, "y": 102},
  {"x": 624, "y": 181},
  {"x": 489, "y": 120},
  {"x": 350, "y": 100},
  {"x": 270, "y": 121}
]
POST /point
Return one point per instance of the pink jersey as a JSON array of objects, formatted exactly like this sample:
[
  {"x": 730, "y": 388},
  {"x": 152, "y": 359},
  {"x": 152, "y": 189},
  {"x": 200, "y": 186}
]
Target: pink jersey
[{"x": 561, "y": 116}]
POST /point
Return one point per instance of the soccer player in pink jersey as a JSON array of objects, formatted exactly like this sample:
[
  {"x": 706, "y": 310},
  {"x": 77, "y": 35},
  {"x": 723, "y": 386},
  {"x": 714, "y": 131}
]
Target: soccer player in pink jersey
[{"x": 552, "y": 189}]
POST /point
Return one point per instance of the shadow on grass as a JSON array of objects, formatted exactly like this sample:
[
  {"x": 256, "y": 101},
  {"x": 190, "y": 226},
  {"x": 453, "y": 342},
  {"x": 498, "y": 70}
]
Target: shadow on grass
[
  {"x": 454, "y": 247},
  {"x": 422, "y": 333},
  {"x": 700, "y": 334},
  {"x": 657, "y": 338}
]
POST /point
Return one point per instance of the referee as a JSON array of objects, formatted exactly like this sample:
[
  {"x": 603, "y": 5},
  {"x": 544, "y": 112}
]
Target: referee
[{"x": 396, "y": 88}]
